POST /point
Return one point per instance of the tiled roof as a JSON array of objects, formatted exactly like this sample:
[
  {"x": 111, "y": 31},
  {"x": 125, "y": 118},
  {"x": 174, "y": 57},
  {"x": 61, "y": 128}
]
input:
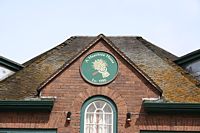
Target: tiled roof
[
  {"x": 153, "y": 61},
  {"x": 25, "y": 82}
]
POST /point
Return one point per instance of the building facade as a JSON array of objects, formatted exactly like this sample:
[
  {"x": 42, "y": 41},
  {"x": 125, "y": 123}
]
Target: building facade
[{"x": 101, "y": 85}]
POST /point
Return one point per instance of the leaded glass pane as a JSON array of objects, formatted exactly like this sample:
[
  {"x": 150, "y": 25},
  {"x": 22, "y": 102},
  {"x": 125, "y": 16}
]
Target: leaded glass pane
[
  {"x": 89, "y": 118},
  {"x": 91, "y": 108},
  {"x": 108, "y": 118},
  {"x": 98, "y": 118},
  {"x": 107, "y": 109},
  {"x": 90, "y": 129},
  {"x": 99, "y": 104},
  {"x": 99, "y": 128},
  {"x": 108, "y": 129}
]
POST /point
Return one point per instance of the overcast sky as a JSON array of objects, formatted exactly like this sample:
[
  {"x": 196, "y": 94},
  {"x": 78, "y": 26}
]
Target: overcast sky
[{"x": 30, "y": 27}]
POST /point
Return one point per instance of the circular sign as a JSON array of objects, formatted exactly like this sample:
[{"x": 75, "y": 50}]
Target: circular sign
[{"x": 99, "y": 68}]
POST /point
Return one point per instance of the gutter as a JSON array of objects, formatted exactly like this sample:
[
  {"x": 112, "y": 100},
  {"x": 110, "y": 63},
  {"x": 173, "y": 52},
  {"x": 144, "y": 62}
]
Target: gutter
[
  {"x": 39, "y": 105},
  {"x": 191, "y": 57},
  {"x": 154, "y": 107},
  {"x": 9, "y": 64}
]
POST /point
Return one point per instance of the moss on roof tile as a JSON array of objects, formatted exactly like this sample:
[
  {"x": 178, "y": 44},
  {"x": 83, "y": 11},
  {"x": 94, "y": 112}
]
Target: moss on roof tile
[
  {"x": 152, "y": 60},
  {"x": 176, "y": 86},
  {"x": 25, "y": 82}
]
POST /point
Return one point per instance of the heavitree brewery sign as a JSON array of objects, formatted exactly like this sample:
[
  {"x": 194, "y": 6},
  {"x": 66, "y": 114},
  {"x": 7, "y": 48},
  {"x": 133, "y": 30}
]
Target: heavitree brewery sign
[{"x": 99, "y": 68}]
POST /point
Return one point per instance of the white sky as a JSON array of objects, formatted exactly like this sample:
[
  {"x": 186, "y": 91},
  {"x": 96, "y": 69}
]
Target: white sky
[{"x": 30, "y": 27}]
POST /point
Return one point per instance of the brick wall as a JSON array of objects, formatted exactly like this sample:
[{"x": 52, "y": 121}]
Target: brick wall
[{"x": 127, "y": 91}]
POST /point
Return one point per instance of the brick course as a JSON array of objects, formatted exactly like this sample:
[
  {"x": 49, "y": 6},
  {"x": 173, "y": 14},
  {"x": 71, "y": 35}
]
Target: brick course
[{"x": 127, "y": 91}]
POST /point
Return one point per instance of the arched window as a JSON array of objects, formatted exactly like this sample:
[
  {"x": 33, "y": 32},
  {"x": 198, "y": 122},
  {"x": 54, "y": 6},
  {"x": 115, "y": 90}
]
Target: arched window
[{"x": 98, "y": 115}]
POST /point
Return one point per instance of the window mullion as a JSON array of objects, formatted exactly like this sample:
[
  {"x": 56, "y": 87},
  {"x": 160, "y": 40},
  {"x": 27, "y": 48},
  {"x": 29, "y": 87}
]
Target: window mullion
[
  {"x": 103, "y": 120},
  {"x": 97, "y": 119}
]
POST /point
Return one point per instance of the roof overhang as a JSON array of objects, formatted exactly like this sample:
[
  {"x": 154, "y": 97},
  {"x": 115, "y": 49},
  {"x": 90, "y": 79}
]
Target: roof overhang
[
  {"x": 9, "y": 64},
  {"x": 26, "y": 105},
  {"x": 152, "y": 107},
  {"x": 188, "y": 58}
]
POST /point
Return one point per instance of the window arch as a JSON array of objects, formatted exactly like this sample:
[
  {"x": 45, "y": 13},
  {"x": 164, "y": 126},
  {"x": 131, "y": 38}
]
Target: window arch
[{"x": 98, "y": 115}]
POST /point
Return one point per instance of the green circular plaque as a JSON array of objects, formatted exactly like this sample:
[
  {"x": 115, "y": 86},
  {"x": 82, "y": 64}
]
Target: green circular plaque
[{"x": 99, "y": 68}]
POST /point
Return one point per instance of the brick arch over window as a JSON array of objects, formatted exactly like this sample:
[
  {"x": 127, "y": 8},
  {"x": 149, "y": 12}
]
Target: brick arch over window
[{"x": 98, "y": 91}]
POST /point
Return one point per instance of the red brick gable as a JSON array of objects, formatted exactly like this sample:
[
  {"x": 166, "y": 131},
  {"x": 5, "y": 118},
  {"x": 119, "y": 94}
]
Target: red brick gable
[
  {"x": 127, "y": 90},
  {"x": 152, "y": 62}
]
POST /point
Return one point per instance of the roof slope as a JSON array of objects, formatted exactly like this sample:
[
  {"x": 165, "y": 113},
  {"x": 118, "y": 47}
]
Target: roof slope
[
  {"x": 152, "y": 60},
  {"x": 176, "y": 85},
  {"x": 25, "y": 82},
  {"x": 159, "y": 51}
]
